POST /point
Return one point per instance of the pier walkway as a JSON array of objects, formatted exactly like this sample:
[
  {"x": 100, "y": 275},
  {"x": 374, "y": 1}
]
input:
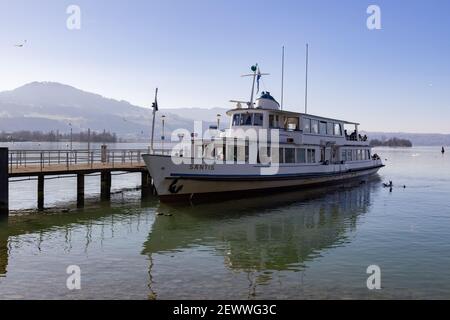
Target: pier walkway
[{"x": 38, "y": 164}]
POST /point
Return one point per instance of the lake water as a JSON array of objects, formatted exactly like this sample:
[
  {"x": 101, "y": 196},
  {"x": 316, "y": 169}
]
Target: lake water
[{"x": 304, "y": 244}]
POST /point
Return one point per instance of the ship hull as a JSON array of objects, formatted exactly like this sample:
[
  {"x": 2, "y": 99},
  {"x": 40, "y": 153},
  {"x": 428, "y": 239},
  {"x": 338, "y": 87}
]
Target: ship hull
[{"x": 210, "y": 182}]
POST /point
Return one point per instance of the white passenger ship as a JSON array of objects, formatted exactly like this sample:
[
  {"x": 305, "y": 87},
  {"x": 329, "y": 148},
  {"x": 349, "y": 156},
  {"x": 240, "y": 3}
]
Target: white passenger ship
[{"x": 310, "y": 150}]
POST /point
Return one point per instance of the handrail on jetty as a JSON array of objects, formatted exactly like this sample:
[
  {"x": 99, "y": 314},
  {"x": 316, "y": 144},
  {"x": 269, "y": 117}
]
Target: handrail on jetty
[{"x": 21, "y": 162}]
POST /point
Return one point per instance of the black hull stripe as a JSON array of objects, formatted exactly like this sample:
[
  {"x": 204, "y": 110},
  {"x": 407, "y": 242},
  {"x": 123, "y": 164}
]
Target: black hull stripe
[{"x": 267, "y": 178}]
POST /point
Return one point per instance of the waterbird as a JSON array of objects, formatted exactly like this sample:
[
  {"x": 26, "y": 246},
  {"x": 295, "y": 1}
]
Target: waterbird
[
  {"x": 21, "y": 45},
  {"x": 388, "y": 185}
]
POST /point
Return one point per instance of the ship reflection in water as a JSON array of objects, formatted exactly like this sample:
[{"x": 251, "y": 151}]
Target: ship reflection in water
[
  {"x": 226, "y": 250},
  {"x": 260, "y": 236},
  {"x": 292, "y": 227}
]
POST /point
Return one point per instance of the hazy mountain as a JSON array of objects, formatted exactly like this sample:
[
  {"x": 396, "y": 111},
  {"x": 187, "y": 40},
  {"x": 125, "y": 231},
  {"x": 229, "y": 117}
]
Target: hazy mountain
[{"x": 49, "y": 106}]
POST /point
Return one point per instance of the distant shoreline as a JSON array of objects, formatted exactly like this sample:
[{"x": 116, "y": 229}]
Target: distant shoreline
[{"x": 393, "y": 142}]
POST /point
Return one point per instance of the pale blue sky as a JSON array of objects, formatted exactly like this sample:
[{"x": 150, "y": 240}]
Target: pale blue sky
[{"x": 394, "y": 79}]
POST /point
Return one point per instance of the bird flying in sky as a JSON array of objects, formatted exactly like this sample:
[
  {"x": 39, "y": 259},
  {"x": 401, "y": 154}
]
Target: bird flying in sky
[{"x": 21, "y": 45}]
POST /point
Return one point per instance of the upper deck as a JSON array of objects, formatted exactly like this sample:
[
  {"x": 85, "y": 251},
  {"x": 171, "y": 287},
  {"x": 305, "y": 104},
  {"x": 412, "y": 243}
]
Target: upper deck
[{"x": 295, "y": 127}]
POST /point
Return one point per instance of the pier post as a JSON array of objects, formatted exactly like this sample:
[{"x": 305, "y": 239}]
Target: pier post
[
  {"x": 40, "y": 192},
  {"x": 80, "y": 190},
  {"x": 4, "y": 183},
  {"x": 104, "y": 153},
  {"x": 146, "y": 184},
  {"x": 105, "y": 193},
  {"x": 4, "y": 249}
]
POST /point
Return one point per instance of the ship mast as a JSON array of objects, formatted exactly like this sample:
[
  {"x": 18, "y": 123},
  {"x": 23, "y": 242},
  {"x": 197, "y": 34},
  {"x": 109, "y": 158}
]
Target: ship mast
[
  {"x": 155, "y": 109},
  {"x": 256, "y": 73},
  {"x": 282, "y": 78},
  {"x": 306, "y": 80}
]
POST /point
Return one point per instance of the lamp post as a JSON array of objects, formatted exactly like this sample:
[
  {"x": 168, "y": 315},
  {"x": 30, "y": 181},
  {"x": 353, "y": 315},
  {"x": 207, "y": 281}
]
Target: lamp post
[
  {"x": 71, "y": 139},
  {"x": 89, "y": 139},
  {"x": 218, "y": 121}
]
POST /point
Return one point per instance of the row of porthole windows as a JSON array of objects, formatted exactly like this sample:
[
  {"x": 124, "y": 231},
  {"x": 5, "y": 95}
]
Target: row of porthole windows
[
  {"x": 247, "y": 119},
  {"x": 300, "y": 155},
  {"x": 355, "y": 154},
  {"x": 321, "y": 127},
  {"x": 297, "y": 155},
  {"x": 291, "y": 123},
  {"x": 286, "y": 155}
]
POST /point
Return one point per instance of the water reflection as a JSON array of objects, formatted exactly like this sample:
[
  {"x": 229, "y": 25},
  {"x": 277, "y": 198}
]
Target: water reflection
[
  {"x": 278, "y": 232},
  {"x": 40, "y": 229},
  {"x": 265, "y": 234}
]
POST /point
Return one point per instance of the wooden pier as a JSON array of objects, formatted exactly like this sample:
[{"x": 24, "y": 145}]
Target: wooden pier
[{"x": 38, "y": 164}]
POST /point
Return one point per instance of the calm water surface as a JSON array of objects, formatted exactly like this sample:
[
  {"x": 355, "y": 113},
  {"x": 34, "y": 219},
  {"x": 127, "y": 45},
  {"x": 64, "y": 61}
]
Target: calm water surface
[{"x": 309, "y": 244}]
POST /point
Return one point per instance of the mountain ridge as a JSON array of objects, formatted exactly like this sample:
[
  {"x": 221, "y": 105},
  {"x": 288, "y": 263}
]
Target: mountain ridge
[{"x": 47, "y": 106}]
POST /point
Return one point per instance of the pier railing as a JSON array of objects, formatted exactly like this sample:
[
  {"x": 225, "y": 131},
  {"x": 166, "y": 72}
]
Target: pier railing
[{"x": 43, "y": 159}]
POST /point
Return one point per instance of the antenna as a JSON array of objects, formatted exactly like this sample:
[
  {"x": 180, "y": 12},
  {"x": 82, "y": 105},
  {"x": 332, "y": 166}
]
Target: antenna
[
  {"x": 282, "y": 77},
  {"x": 306, "y": 80}
]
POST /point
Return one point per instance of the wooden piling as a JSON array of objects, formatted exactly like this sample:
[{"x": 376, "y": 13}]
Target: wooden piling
[
  {"x": 146, "y": 185},
  {"x": 40, "y": 192},
  {"x": 80, "y": 190},
  {"x": 4, "y": 185},
  {"x": 4, "y": 248},
  {"x": 145, "y": 179},
  {"x": 105, "y": 193}
]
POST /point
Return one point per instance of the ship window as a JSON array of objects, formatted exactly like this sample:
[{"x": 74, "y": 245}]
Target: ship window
[
  {"x": 272, "y": 121},
  {"x": 337, "y": 129},
  {"x": 323, "y": 127},
  {"x": 246, "y": 119},
  {"x": 314, "y": 126},
  {"x": 301, "y": 156},
  {"x": 368, "y": 154},
  {"x": 231, "y": 152},
  {"x": 281, "y": 155},
  {"x": 258, "y": 119},
  {"x": 289, "y": 155},
  {"x": 344, "y": 155},
  {"x": 236, "y": 119},
  {"x": 292, "y": 124},
  {"x": 306, "y": 125},
  {"x": 241, "y": 154},
  {"x": 311, "y": 155},
  {"x": 349, "y": 155},
  {"x": 330, "y": 130}
]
